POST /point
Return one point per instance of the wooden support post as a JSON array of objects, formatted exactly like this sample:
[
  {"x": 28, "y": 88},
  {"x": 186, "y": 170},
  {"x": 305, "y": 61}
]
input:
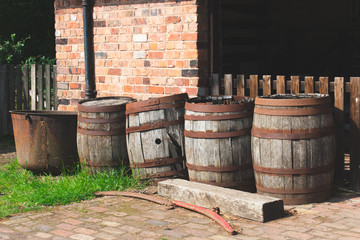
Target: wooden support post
[
  {"x": 339, "y": 123},
  {"x": 309, "y": 84},
  {"x": 355, "y": 134},
  {"x": 324, "y": 85},
  {"x": 25, "y": 74}
]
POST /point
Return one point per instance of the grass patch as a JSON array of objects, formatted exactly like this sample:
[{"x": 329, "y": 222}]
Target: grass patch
[{"x": 21, "y": 190}]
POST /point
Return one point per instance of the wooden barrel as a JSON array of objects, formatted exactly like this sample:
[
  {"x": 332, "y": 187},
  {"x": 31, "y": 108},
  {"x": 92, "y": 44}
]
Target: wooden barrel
[
  {"x": 293, "y": 147},
  {"x": 101, "y": 139},
  {"x": 217, "y": 141},
  {"x": 155, "y": 138}
]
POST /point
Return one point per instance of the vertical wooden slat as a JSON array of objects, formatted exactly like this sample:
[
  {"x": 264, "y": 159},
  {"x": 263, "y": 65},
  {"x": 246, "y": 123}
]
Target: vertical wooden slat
[
  {"x": 324, "y": 85},
  {"x": 47, "y": 77},
  {"x": 228, "y": 84},
  {"x": 267, "y": 85},
  {"x": 254, "y": 86},
  {"x": 18, "y": 87},
  {"x": 215, "y": 90},
  {"x": 339, "y": 123},
  {"x": 3, "y": 101},
  {"x": 240, "y": 85},
  {"x": 355, "y": 133},
  {"x": 40, "y": 86},
  {"x": 33, "y": 87},
  {"x": 295, "y": 84},
  {"x": 55, "y": 87},
  {"x": 309, "y": 84},
  {"x": 25, "y": 75},
  {"x": 280, "y": 84}
]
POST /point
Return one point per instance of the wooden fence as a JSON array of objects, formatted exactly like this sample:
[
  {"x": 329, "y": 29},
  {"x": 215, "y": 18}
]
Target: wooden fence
[
  {"x": 345, "y": 95},
  {"x": 24, "y": 87}
]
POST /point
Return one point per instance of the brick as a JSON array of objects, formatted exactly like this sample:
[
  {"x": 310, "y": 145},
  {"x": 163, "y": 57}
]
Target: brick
[
  {"x": 172, "y": 19},
  {"x": 156, "y": 55},
  {"x": 140, "y": 37},
  {"x": 114, "y": 71},
  {"x": 139, "y": 54},
  {"x": 157, "y": 90},
  {"x": 64, "y": 86},
  {"x": 62, "y": 233},
  {"x": 189, "y": 73}
]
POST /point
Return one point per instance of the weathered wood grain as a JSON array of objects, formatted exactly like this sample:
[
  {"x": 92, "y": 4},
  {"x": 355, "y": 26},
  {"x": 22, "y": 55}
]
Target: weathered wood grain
[{"x": 355, "y": 133}]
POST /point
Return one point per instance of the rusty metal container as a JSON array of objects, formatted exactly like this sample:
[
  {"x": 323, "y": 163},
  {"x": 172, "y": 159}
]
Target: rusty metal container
[{"x": 45, "y": 141}]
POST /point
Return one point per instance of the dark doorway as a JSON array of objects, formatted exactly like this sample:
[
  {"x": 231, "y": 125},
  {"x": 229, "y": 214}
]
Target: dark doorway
[{"x": 302, "y": 37}]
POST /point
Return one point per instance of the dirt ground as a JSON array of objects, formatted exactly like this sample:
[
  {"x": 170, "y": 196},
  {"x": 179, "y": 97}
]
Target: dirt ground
[{"x": 7, "y": 150}]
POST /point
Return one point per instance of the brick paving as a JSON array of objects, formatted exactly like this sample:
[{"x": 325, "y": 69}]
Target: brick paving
[{"x": 128, "y": 218}]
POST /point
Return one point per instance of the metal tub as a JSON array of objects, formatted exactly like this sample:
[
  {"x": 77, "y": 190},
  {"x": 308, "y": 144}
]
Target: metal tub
[{"x": 45, "y": 141}]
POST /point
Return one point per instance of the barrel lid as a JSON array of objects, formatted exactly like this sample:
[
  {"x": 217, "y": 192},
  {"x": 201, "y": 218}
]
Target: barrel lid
[
  {"x": 302, "y": 99},
  {"x": 219, "y": 104},
  {"x": 104, "y": 104}
]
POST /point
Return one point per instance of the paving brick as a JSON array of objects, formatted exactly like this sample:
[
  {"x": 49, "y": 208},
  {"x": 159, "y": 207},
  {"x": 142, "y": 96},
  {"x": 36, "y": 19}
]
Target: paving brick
[
  {"x": 113, "y": 231},
  {"x": 82, "y": 237},
  {"x": 62, "y": 233},
  {"x": 296, "y": 235},
  {"x": 72, "y": 221},
  {"x": 98, "y": 209},
  {"x": 66, "y": 226},
  {"x": 110, "y": 224},
  {"x": 43, "y": 235},
  {"x": 43, "y": 227},
  {"x": 85, "y": 231},
  {"x": 156, "y": 222},
  {"x": 174, "y": 233},
  {"x": 130, "y": 229}
]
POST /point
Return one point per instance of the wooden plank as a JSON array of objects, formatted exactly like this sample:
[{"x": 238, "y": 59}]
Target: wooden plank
[
  {"x": 33, "y": 87},
  {"x": 309, "y": 84},
  {"x": 324, "y": 85},
  {"x": 228, "y": 84},
  {"x": 254, "y": 86},
  {"x": 355, "y": 133},
  {"x": 47, "y": 77},
  {"x": 3, "y": 101},
  {"x": 280, "y": 85},
  {"x": 240, "y": 85},
  {"x": 267, "y": 85},
  {"x": 55, "y": 87},
  {"x": 339, "y": 123},
  {"x": 295, "y": 84},
  {"x": 215, "y": 90},
  {"x": 25, "y": 75},
  {"x": 18, "y": 87},
  {"x": 40, "y": 86}
]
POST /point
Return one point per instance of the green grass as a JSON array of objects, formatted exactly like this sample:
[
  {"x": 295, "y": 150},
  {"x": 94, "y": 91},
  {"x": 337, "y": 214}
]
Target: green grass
[{"x": 22, "y": 191}]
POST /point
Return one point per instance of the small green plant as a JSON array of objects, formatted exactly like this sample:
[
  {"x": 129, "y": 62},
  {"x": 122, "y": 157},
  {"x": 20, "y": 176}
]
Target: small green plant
[
  {"x": 21, "y": 191},
  {"x": 11, "y": 50}
]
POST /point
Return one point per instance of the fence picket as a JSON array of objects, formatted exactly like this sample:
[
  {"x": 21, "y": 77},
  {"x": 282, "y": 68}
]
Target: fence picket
[
  {"x": 47, "y": 77},
  {"x": 280, "y": 84},
  {"x": 228, "y": 84},
  {"x": 33, "y": 87},
  {"x": 267, "y": 85},
  {"x": 40, "y": 86},
  {"x": 295, "y": 84},
  {"x": 18, "y": 87},
  {"x": 240, "y": 85},
  {"x": 215, "y": 90},
  {"x": 339, "y": 123},
  {"x": 324, "y": 85},
  {"x": 25, "y": 74},
  {"x": 355, "y": 133},
  {"x": 55, "y": 87},
  {"x": 11, "y": 87},
  {"x": 254, "y": 86},
  {"x": 309, "y": 84}
]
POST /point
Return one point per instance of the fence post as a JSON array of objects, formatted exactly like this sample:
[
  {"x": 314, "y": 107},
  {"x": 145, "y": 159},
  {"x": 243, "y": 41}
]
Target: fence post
[
  {"x": 309, "y": 84},
  {"x": 215, "y": 90},
  {"x": 19, "y": 87},
  {"x": 254, "y": 86},
  {"x": 240, "y": 85},
  {"x": 295, "y": 84},
  {"x": 25, "y": 74},
  {"x": 267, "y": 85},
  {"x": 280, "y": 84},
  {"x": 40, "y": 86},
  {"x": 355, "y": 133}
]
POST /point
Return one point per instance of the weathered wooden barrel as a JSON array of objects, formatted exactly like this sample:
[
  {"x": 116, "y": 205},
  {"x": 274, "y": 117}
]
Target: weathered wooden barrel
[
  {"x": 155, "y": 137},
  {"x": 293, "y": 147},
  {"x": 217, "y": 141},
  {"x": 101, "y": 139}
]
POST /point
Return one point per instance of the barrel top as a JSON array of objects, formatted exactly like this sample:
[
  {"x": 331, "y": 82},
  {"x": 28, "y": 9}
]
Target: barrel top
[
  {"x": 219, "y": 104},
  {"x": 105, "y": 104},
  {"x": 293, "y": 99}
]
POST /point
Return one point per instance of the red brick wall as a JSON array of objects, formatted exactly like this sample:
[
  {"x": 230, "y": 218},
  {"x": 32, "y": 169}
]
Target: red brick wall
[{"x": 143, "y": 48}]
